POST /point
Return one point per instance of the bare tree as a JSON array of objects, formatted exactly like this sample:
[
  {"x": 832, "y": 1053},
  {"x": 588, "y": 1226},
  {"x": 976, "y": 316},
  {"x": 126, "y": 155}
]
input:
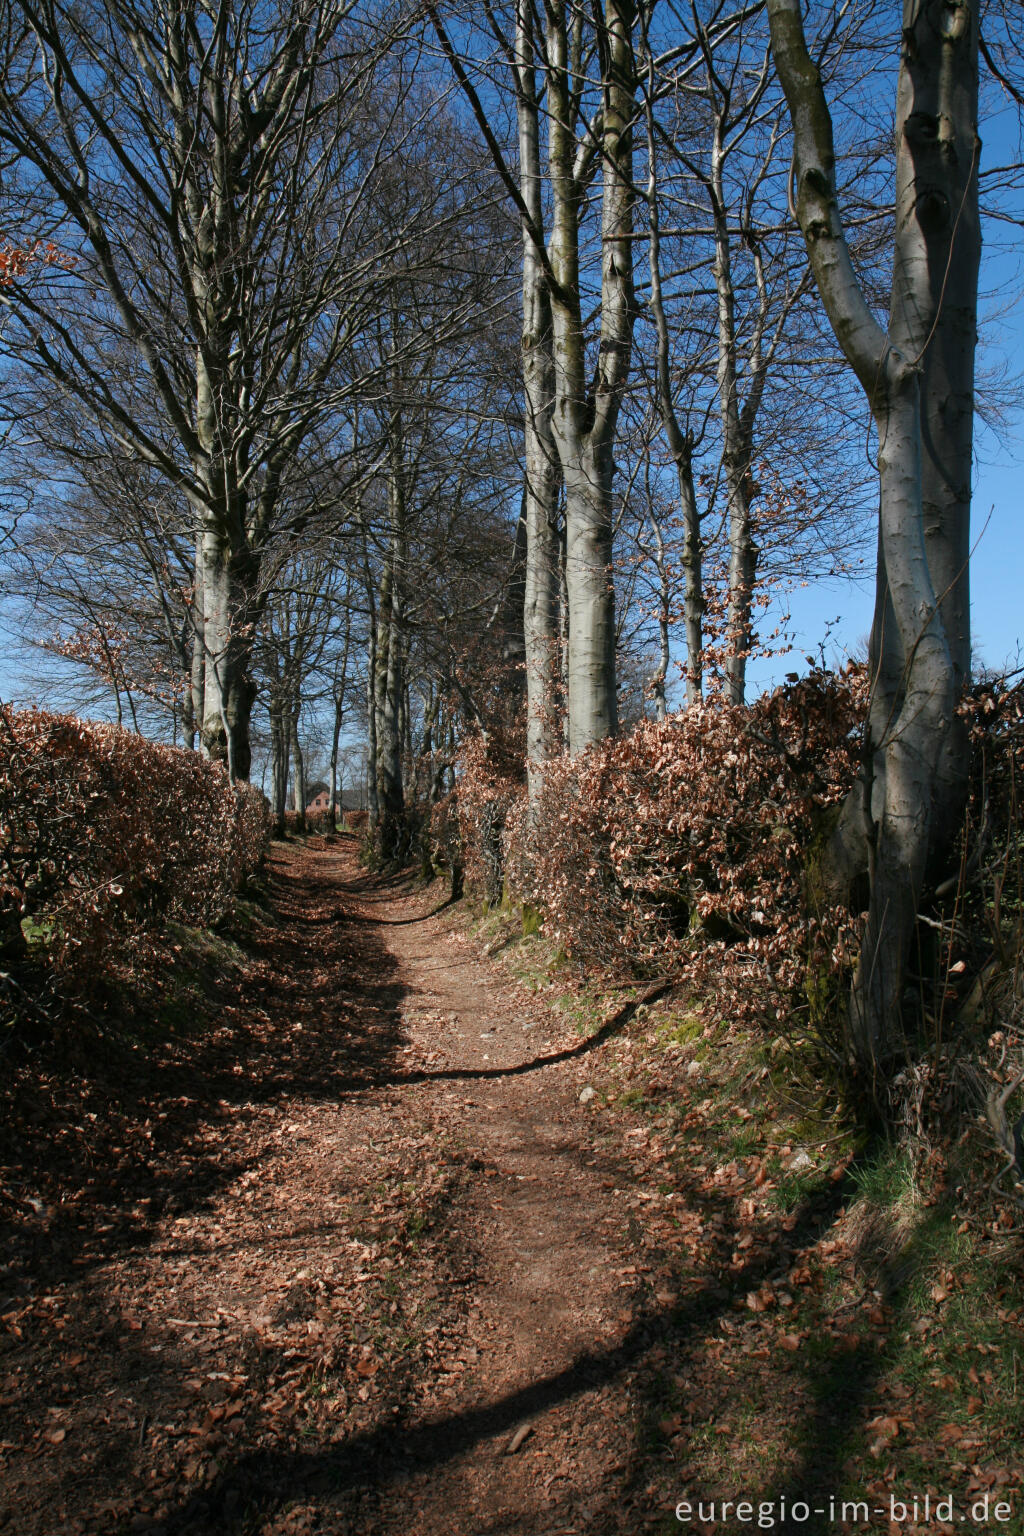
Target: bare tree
[
  {"x": 542, "y": 476},
  {"x": 918, "y": 374},
  {"x": 586, "y": 67},
  {"x": 100, "y": 574},
  {"x": 217, "y": 174}
]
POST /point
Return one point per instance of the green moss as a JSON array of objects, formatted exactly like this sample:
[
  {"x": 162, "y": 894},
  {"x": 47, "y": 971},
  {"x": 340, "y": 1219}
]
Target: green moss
[
  {"x": 816, "y": 885},
  {"x": 37, "y": 931},
  {"x": 682, "y": 1031},
  {"x": 531, "y": 920},
  {"x": 819, "y": 990}
]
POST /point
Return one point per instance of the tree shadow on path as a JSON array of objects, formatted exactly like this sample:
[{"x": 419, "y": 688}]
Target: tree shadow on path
[
  {"x": 376, "y": 1461},
  {"x": 91, "y": 1159}
]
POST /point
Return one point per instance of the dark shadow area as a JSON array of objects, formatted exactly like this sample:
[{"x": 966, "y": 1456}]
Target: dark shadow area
[
  {"x": 373, "y": 1461},
  {"x": 92, "y": 1156},
  {"x": 404, "y": 922},
  {"x": 339, "y": 915},
  {"x": 842, "y": 1387}
]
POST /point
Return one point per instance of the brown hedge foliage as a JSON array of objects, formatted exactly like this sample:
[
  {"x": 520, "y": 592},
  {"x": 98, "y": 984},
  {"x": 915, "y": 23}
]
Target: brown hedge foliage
[
  {"x": 104, "y": 836},
  {"x": 990, "y": 926},
  {"x": 686, "y": 845},
  {"x": 485, "y": 814}
]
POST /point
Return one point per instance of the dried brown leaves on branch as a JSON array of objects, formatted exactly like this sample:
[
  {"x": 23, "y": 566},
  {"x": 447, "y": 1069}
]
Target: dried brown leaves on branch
[
  {"x": 104, "y": 837},
  {"x": 690, "y": 842}
]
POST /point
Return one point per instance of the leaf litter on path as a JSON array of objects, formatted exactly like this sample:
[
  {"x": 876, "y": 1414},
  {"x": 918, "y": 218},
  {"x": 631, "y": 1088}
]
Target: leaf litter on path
[{"x": 330, "y": 1265}]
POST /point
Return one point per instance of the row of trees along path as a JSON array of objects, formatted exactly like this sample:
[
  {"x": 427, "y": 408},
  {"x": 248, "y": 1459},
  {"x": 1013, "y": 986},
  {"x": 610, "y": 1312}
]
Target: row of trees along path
[{"x": 356, "y": 1259}]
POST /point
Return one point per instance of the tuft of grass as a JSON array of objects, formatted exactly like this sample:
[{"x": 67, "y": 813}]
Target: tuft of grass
[
  {"x": 885, "y": 1179},
  {"x": 793, "y": 1186},
  {"x": 746, "y": 1140}
]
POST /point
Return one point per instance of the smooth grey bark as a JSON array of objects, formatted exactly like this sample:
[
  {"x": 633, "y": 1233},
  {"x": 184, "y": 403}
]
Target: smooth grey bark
[
  {"x": 336, "y": 724},
  {"x": 563, "y": 632},
  {"x": 909, "y": 784},
  {"x": 664, "y": 617},
  {"x": 389, "y": 669},
  {"x": 390, "y": 786},
  {"x": 339, "y": 696},
  {"x": 935, "y": 298},
  {"x": 372, "y": 803},
  {"x": 298, "y": 766},
  {"x": 541, "y": 470},
  {"x": 586, "y": 412},
  {"x": 228, "y": 686},
  {"x": 197, "y": 672},
  {"x": 278, "y": 760},
  {"x": 737, "y": 423},
  {"x": 680, "y": 444}
]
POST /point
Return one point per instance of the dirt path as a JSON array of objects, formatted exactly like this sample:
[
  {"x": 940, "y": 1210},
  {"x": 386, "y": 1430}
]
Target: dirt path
[
  {"x": 543, "y": 1228},
  {"x": 348, "y": 1263},
  {"x": 347, "y": 1256}
]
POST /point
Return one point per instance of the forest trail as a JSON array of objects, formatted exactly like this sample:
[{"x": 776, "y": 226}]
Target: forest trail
[{"x": 351, "y": 1264}]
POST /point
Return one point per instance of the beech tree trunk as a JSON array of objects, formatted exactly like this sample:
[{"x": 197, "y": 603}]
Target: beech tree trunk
[
  {"x": 737, "y": 438},
  {"x": 586, "y": 412},
  {"x": 542, "y": 479},
  {"x": 918, "y": 377},
  {"x": 680, "y": 445},
  {"x": 584, "y": 409},
  {"x": 592, "y": 703},
  {"x": 228, "y": 689},
  {"x": 278, "y": 763},
  {"x": 333, "y": 803},
  {"x": 388, "y": 689},
  {"x": 198, "y": 668},
  {"x": 298, "y": 769}
]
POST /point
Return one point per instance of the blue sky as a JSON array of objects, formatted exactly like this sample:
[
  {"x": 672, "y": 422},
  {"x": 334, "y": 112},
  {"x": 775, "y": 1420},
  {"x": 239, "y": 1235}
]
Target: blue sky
[
  {"x": 997, "y": 563},
  {"x": 997, "y": 569}
]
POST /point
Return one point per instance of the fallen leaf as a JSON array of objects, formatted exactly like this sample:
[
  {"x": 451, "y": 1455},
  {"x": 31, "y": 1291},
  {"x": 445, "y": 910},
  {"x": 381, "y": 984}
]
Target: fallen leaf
[{"x": 517, "y": 1439}]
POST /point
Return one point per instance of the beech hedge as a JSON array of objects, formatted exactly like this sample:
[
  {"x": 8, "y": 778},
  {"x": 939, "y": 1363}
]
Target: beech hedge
[
  {"x": 686, "y": 846},
  {"x": 105, "y": 836}
]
